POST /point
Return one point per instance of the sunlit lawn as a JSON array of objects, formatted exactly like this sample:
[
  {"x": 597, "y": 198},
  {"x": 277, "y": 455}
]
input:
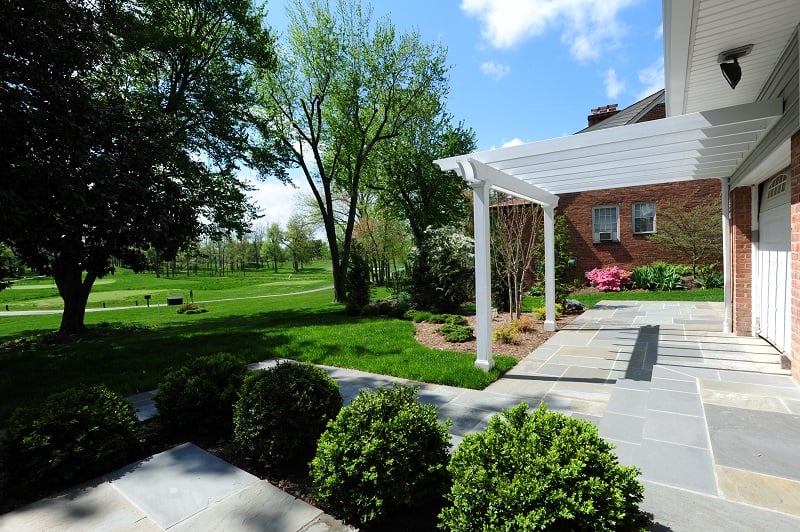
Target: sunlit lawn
[{"x": 131, "y": 350}]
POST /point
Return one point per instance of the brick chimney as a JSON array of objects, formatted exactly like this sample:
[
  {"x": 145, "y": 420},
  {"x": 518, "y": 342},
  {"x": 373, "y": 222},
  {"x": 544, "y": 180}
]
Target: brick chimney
[{"x": 601, "y": 113}]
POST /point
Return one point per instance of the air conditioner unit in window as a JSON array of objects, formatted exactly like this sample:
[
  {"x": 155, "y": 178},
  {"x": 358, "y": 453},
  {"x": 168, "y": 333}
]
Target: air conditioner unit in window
[{"x": 605, "y": 237}]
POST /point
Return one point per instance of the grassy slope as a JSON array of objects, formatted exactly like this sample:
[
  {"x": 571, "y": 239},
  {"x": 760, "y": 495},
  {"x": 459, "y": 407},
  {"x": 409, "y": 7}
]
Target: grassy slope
[{"x": 131, "y": 350}]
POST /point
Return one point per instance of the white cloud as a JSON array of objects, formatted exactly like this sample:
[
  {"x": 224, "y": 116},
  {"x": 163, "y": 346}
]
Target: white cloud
[
  {"x": 613, "y": 85},
  {"x": 652, "y": 78},
  {"x": 516, "y": 141},
  {"x": 276, "y": 200},
  {"x": 495, "y": 70},
  {"x": 589, "y": 27},
  {"x": 659, "y": 32}
]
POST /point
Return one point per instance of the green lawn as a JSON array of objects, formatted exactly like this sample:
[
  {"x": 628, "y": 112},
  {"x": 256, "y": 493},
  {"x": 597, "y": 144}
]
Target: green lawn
[
  {"x": 131, "y": 350},
  {"x": 591, "y": 299}
]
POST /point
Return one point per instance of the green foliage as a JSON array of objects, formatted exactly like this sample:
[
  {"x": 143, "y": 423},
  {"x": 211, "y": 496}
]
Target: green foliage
[
  {"x": 658, "y": 276},
  {"x": 422, "y": 315},
  {"x": 694, "y": 232},
  {"x": 191, "y": 308},
  {"x": 357, "y": 281},
  {"x": 455, "y": 333},
  {"x": 442, "y": 270},
  {"x": 71, "y": 437},
  {"x": 709, "y": 277},
  {"x": 282, "y": 411},
  {"x": 198, "y": 397},
  {"x": 540, "y": 313},
  {"x": 506, "y": 334},
  {"x": 539, "y": 471},
  {"x": 109, "y": 104},
  {"x": 351, "y": 84},
  {"x": 384, "y": 454}
]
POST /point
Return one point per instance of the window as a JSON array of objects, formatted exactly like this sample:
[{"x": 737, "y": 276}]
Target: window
[
  {"x": 644, "y": 217},
  {"x": 605, "y": 223}
]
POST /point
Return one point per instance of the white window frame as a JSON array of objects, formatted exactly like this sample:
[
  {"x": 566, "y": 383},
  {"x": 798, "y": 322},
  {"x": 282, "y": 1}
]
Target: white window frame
[
  {"x": 596, "y": 232},
  {"x": 634, "y": 217}
]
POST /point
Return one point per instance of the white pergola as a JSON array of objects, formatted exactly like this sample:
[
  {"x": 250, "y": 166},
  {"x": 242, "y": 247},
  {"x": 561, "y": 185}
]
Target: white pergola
[{"x": 703, "y": 145}]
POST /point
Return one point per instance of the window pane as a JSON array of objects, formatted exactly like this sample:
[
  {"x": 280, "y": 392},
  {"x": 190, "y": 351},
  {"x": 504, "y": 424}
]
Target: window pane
[
  {"x": 644, "y": 217},
  {"x": 604, "y": 221}
]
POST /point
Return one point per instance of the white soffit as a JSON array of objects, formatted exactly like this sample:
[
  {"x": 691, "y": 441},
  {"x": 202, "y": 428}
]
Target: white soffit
[
  {"x": 696, "y": 32},
  {"x": 708, "y": 144}
]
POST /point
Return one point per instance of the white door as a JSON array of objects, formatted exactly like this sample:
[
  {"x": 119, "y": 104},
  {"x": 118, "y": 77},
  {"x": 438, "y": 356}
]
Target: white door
[{"x": 774, "y": 263}]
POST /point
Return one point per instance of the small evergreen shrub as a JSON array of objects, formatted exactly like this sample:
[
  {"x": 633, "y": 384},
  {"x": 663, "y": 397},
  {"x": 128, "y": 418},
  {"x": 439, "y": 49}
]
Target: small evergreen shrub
[
  {"x": 410, "y": 315},
  {"x": 455, "y": 333},
  {"x": 611, "y": 279},
  {"x": 539, "y": 471},
  {"x": 385, "y": 453},
  {"x": 452, "y": 319},
  {"x": 506, "y": 334},
  {"x": 422, "y": 315},
  {"x": 198, "y": 398},
  {"x": 282, "y": 411},
  {"x": 369, "y": 310},
  {"x": 71, "y": 437},
  {"x": 456, "y": 319},
  {"x": 540, "y": 313}
]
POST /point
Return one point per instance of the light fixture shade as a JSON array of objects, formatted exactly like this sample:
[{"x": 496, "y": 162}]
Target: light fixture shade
[{"x": 732, "y": 72}]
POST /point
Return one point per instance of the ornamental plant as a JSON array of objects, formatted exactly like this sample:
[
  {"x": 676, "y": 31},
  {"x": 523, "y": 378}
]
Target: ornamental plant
[
  {"x": 384, "y": 454},
  {"x": 198, "y": 397},
  {"x": 540, "y": 471},
  {"x": 71, "y": 437},
  {"x": 611, "y": 279},
  {"x": 282, "y": 411}
]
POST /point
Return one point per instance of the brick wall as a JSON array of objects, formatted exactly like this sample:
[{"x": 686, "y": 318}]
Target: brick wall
[
  {"x": 632, "y": 250},
  {"x": 741, "y": 263},
  {"x": 795, "y": 221}
]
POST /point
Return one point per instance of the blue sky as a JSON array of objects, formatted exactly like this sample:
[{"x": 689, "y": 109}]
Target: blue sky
[{"x": 522, "y": 70}]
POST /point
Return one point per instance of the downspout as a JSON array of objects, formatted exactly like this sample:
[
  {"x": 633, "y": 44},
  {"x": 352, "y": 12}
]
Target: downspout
[{"x": 726, "y": 252}]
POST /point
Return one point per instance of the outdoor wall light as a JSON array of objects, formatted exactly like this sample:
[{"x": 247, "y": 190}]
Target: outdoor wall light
[{"x": 732, "y": 72}]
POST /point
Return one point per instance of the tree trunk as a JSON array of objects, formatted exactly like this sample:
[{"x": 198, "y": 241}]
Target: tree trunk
[{"x": 74, "y": 290}]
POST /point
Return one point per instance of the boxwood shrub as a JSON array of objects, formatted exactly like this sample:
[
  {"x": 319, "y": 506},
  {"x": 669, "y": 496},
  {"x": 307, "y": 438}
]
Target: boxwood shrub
[
  {"x": 539, "y": 471},
  {"x": 282, "y": 411},
  {"x": 197, "y": 399},
  {"x": 385, "y": 453},
  {"x": 71, "y": 437}
]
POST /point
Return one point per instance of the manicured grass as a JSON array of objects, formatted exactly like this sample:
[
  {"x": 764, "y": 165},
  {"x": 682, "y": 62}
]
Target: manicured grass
[
  {"x": 125, "y": 288},
  {"x": 591, "y": 299},
  {"x": 131, "y": 350}
]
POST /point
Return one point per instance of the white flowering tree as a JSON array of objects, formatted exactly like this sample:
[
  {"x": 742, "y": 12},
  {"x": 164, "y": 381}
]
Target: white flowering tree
[{"x": 442, "y": 276}]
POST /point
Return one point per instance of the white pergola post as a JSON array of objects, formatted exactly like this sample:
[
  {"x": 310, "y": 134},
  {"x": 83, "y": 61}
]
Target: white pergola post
[
  {"x": 726, "y": 253},
  {"x": 549, "y": 269},
  {"x": 483, "y": 276}
]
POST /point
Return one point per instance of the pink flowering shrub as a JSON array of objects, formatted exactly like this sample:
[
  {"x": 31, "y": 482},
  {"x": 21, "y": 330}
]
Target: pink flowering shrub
[{"x": 609, "y": 279}]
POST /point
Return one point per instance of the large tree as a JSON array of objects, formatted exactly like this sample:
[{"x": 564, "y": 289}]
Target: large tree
[
  {"x": 124, "y": 122},
  {"x": 346, "y": 83},
  {"x": 414, "y": 189}
]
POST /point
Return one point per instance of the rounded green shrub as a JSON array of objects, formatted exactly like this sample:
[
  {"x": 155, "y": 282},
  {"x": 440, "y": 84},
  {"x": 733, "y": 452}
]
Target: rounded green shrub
[
  {"x": 282, "y": 411},
  {"x": 198, "y": 397},
  {"x": 539, "y": 471},
  {"x": 383, "y": 454},
  {"x": 455, "y": 333},
  {"x": 71, "y": 437}
]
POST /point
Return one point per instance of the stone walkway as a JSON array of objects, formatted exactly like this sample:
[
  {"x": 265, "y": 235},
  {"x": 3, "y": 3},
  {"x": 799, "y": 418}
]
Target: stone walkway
[{"x": 710, "y": 418}]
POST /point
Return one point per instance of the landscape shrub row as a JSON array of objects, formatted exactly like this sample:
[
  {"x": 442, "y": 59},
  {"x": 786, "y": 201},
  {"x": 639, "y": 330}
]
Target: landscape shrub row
[
  {"x": 656, "y": 276},
  {"x": 383, "y": 457}
]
